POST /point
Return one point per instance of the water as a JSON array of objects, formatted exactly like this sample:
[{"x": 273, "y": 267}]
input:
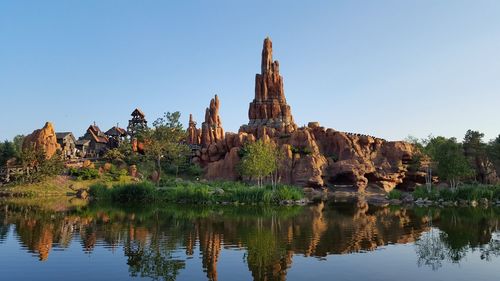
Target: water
[{"x": 338, "y": 241}]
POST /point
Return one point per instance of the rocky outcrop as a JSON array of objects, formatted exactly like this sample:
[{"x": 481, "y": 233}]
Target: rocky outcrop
[
  {"x": 194, "y": 135},
  {"x": 269, "y": 107},
  {"x": 312, "y": 156},
  {"x": 211, "y": 129},
  {"x": 43, "y": 139},
  {"x": 210, "y": 140}
]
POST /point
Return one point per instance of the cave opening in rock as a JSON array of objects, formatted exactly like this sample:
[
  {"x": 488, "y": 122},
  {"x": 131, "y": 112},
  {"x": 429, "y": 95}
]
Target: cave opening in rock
[
  {"x": 342, "y": 179},
  {"x": 371, "y": 177}
]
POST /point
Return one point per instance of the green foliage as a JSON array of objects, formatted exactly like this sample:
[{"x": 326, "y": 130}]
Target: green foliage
[
  {"x": 163, "y": 143},
  {"x": 473, "y": 143},
  {"x": 421, "y": 192},
  {"x": 448, "y": 155},
  {"x": 84, "y": 173},
  {"x": 195, "y": 192},
  {"x": 10, "y": 149},
  {"x": 260, "y": 160},
  {"x": 114, "y": 155},
  {"x": 191, "y": 170},
  {"x": 493, "y": 152},
  {"x": 7, "y": 151},
  {"x": 99, "y": 191},
  {"x": 39, "y": 167},
  {"x": 124, "y": 193},
  {"x": 117, "y": 174},
  {"x": 394, "y": 194},
  {"x": 466, "y": 192},
  {"x": 53, "y": 166},
  {"x": 133, "y": 192}
]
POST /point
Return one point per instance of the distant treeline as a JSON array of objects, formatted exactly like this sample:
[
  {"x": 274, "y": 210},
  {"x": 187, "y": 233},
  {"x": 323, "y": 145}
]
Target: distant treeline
[{"x": 470, "y": 160}]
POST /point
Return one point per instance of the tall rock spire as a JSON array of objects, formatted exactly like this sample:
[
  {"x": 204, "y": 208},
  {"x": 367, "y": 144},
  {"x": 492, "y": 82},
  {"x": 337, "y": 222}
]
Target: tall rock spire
[
  {"x": 211, "y": 129},
  {"x": 269, "y": 108},
  {"x": 267, "y": 55}
]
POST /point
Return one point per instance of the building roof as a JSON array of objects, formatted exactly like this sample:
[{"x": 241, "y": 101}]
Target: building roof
[
  {"x": 138, "y": 112},
  {"x": 116, "y": 132},
  {"x": 96, "y": 134},
  {"x": 82, "y": 142},
  {"x": 61, "y": 135}
]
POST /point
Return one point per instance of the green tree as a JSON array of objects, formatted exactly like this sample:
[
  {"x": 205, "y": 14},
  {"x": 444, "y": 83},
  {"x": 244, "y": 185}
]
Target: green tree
[
  {"x": 7, "y": 151},
  {"x": 11, "y": 149},
  {"x": 164, "y": 142},
  {"x": 260, "y": 159},
  {"x": 114, "y": 155},
  {"x": 449, "y": 159},
  {"x": 493, "y": 150}
]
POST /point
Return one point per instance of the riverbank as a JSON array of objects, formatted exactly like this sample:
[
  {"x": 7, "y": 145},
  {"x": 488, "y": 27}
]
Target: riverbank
[
  {"x": 464, "y": 196},
  {"x": 63, "y": 192},
  {"x": 127, "y": 190},
  {"x": 189, "y": 192}
]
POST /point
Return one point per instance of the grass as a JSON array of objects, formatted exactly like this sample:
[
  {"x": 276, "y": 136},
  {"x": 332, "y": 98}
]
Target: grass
[
  {"x": 58, "y": 186},
  {"x": 196, "y": 192},
  {"x": 466, "y": 192}
]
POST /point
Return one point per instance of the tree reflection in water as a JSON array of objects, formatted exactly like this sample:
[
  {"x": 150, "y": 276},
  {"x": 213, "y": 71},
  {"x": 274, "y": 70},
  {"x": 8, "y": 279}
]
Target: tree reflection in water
[
  {"x": 158, "y": 240},
  {"x": 457, "y": 232}
]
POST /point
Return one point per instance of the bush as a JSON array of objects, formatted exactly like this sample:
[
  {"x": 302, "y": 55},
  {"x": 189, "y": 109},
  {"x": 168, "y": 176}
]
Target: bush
[
  {"x": 422, "y": 193},
  {"x": 84, "y": 173},
  {"x": 195, "y": 192},
  {"x": 99, "y": 191},
  {"x": 194, "y": 170},
  {"x": 135, "y": 192},
  {"x": 394, "y": 194},
  {"x": 468, "y": 192},
  {"x": 447, "y": 195},
  {"x": 117, "y": 174}
]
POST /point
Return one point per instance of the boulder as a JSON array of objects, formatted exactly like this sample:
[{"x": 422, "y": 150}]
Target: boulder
[
  {"x": 132, "y": 171},
  {"x": 43, "y": 139},
  {"x": 82, "y": 194}
]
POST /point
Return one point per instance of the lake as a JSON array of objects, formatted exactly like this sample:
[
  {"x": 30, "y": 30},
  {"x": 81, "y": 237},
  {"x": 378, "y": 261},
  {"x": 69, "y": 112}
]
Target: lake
[{"x": 325, "y": 241}]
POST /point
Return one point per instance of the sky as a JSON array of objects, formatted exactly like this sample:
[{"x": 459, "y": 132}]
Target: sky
[{"x": 383, "y": 68}]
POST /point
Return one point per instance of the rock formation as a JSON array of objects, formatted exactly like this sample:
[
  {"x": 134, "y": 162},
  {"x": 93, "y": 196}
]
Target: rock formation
[
  {"x": 211, "y": 129},
  {"x": 269, "y": 107},
  {"x": 313, "y": 155},
  {"x": 43, "y": 139},
  {"x": 194, "y": 135},
  {"x": 210, "y": 140}
]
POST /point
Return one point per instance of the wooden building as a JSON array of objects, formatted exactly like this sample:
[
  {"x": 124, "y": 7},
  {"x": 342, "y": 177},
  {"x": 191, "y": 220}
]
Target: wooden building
[
  {"x": 67, "y": 141},
  {"x": 82, "y": 147},
  {"x": 137, "y": 123},
  {"x": 98, "y": 141},
  {"x": 115, "y": 135}
]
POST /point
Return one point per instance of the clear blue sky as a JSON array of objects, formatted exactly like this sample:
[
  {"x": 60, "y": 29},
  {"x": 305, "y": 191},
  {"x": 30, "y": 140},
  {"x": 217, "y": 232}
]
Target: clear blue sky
[{"x": 385, "y": 68}]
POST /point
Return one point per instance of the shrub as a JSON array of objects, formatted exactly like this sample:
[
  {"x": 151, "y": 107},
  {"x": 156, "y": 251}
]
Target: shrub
[
  {"x": 117, "y": 174},
  {"x": 447, "y": 194},
  {"x": 422, "y": 193},
  {"x": 133, "y": 192},
  {"x": 194, "y": 170},
  {"x": 99, "y": 191},
  {"x": 84, "y": 173},
  {"x": 195, "y": 192},
  {"x": 394, "y": 194}
]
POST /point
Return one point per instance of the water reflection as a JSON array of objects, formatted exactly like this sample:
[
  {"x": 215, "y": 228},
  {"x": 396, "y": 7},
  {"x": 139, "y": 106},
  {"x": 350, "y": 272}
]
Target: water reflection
[
  {"x": 454, "y": 232},
  {"x": 158, "y": 240}
]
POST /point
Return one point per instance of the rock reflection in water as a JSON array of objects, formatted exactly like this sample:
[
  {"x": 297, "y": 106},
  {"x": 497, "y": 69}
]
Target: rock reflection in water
[{"x": 157, "y": 240}]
